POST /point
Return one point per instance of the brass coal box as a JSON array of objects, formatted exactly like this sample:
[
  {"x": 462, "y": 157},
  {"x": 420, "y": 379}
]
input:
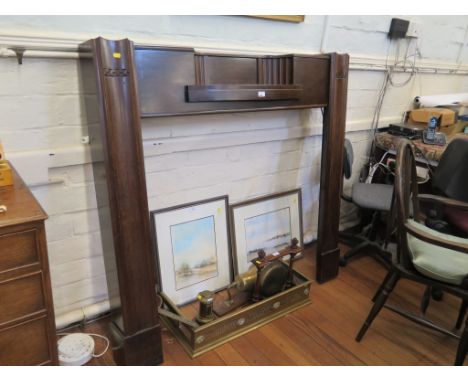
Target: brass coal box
[{"x": 198, "y": 339}]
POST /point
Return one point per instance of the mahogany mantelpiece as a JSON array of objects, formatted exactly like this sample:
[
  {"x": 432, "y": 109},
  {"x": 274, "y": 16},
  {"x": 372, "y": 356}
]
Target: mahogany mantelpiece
[{"x": 123, "y": 83}]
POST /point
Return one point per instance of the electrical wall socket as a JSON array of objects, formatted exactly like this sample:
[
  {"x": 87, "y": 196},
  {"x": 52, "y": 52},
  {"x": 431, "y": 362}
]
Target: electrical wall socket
[{"x": 414, "y": 29}]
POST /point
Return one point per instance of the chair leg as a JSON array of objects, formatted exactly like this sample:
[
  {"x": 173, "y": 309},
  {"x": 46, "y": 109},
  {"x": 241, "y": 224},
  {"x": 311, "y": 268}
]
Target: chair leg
[
  {"x": 390, "y": 223},
  {"x": 374, "y": 226},
  {"x": 462, "y": 346},
  {"x": 426, "y": 299},
  {"x": 462, "y": 314},
  {"x": 437, "y": 294},
  {"x": 381, "y": 286},
  {"x": 353, "y": 252},
  {"x": 388, "y": 285},
  {"x": 368, "y": 240}
]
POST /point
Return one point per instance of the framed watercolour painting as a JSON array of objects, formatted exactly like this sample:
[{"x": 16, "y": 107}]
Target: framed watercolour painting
[
  {"x": 267, "y": 223},
  {"x": 192, "y": 248}
]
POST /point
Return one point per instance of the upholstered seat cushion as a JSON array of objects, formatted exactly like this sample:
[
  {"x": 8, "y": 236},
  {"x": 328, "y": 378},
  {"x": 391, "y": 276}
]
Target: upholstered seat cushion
[
  {"x": 373, "y": 196},
  {"x": 437, "y": 262}
]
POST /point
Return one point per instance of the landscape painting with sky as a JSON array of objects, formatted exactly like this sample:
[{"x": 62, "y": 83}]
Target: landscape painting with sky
[
  {"x": 194, "y": 251},
  {"x": 270, "y": 231}
]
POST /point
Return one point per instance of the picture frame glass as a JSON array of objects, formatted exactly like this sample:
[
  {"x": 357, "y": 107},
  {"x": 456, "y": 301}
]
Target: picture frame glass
[
  {"x": 192, "y": 249},
  {"x": 267, "y": 223}
]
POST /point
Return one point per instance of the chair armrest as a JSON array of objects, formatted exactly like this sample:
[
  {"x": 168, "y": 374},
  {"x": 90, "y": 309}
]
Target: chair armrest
[
  {"x": 346, "y": 198},
  {"x": 443, "y": 200},
  {"x": 433, "y": 239}
]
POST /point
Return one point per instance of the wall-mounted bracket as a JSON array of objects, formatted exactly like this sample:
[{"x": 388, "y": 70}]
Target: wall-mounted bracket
[{"x": 19, "y": 51}]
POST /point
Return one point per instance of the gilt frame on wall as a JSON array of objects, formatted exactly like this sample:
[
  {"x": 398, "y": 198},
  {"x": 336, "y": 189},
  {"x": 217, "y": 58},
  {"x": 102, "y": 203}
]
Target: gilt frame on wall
[{"x": 288, "y": 18}]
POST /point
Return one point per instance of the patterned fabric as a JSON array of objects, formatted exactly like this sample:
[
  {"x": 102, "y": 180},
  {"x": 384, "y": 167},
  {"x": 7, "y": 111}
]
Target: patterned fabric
[{"x": 390, "y": 142}]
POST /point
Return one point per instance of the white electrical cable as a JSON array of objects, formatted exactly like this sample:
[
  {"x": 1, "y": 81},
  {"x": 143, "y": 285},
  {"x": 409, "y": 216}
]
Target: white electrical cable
[
  {"x": 375, "y": 167},
  {"x": 389, "y": 80},
  {"x": 403, "y": 65},
  {"x": 107, "y": 344}
]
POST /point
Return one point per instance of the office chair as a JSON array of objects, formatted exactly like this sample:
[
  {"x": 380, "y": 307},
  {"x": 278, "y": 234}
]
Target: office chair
[
  {"x": 374, "y": 197},
  {"x": 424, "y": 255}
]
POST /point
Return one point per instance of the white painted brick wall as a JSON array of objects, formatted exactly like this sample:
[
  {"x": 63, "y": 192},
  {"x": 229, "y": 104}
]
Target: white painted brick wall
[{"x": 191, "y": 158}]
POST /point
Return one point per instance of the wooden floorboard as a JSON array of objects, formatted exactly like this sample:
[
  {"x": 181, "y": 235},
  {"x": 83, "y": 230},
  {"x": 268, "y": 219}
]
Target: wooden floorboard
[{"x": 323, "y": 332}]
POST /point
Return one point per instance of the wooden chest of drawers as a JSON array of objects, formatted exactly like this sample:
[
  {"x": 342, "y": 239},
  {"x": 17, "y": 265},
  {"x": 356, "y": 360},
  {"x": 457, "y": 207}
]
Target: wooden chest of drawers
[{"x": 27, "y": 324}]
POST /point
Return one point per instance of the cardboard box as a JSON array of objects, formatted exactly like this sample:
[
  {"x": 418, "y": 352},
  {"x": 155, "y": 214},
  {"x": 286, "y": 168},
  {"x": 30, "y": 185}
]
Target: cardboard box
[
  {"x": 6, "y": 175},
  {"x": 423, "y": 115},
  {"x": 457, "y": 128}
]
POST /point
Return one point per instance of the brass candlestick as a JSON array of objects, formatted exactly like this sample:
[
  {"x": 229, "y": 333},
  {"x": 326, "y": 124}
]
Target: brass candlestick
[
  {"x": 257, "y": 296},
  {"x": 292, "y": 253}
]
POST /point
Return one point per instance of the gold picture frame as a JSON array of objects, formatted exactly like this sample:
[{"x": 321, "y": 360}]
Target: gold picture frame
[{"x": 288, "y": 18}]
